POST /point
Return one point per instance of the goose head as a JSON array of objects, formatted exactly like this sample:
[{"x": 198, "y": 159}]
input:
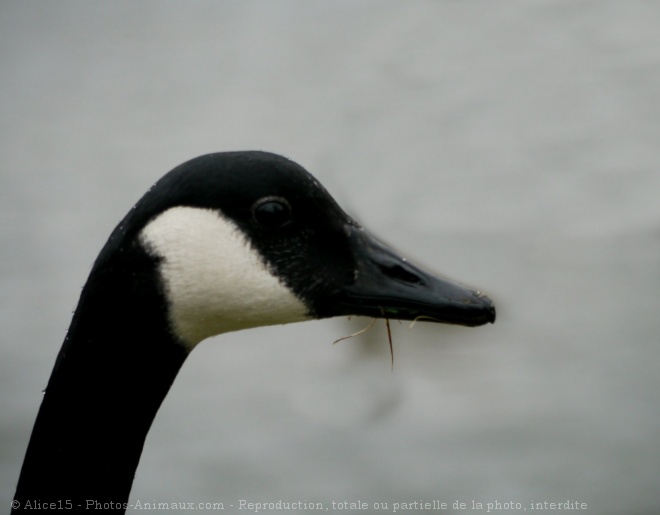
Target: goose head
[{"x": 247, "y": 239}]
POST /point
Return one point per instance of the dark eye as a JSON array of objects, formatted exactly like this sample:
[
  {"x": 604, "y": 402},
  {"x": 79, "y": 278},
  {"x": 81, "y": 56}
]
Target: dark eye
[{"x": 272, "y": 212}]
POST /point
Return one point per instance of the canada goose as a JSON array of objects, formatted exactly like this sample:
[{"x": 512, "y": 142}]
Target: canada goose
[{"x": 223, "y": 242}]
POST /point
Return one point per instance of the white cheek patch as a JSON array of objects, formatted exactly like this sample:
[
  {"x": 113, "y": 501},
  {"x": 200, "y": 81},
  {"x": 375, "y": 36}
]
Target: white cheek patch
[{"x": 215, "y": 282}]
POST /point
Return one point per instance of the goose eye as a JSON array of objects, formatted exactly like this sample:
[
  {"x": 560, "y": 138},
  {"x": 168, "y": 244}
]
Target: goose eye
[{"x": 272, "y": 212}]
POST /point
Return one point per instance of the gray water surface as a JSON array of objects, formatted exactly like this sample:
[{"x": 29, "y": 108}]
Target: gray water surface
[{"x": 511, "y": 145}]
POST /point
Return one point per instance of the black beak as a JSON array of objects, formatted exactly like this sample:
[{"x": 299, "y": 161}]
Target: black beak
[{"x": 388, "y": 286}]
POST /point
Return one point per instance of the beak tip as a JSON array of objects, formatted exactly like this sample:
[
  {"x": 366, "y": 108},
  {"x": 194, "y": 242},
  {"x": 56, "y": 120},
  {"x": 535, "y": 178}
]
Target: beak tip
[
  {"x": 493, "y": 315},
  {"x": 488, "y": 307}
]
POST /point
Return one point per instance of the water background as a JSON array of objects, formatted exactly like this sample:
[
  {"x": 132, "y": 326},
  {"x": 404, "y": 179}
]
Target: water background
[{"x": 512, "y": 145}]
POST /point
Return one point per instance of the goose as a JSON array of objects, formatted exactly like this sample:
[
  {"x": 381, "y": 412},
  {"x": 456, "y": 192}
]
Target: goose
[{"x": 223, "y": 242}]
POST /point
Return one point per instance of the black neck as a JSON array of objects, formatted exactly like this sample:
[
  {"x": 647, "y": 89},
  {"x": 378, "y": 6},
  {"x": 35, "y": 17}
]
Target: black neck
[{"x": 116, "y": 366}]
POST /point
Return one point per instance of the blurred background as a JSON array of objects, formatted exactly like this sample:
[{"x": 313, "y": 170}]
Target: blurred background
[{"x": 512, "y": 145}]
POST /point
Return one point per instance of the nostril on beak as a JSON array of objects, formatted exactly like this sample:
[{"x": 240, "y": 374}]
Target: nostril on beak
[{"x": 400, "y": 274}]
